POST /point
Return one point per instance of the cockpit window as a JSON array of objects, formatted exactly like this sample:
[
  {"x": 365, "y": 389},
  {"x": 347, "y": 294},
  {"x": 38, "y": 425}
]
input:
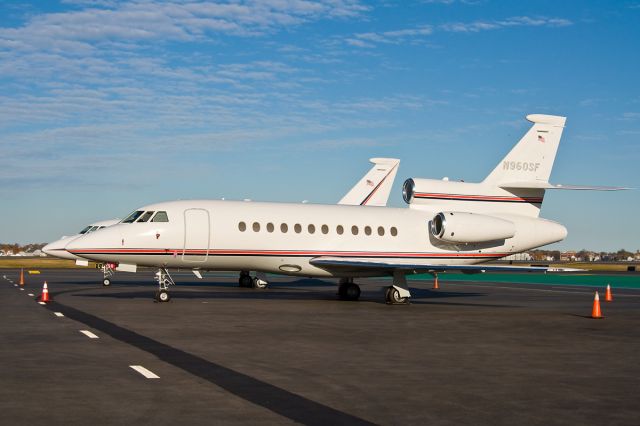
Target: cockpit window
[
  {"x": 145, "y": 217},
  {"x": 85, "y": 230},
  {"x": 132, "y": 217},
  {"x": 93, "y": 228},
  {"x": 160, "y": 217}
]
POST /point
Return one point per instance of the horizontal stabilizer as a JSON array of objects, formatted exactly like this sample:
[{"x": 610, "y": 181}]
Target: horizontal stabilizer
[
  {"x": 371, "y": 265},
  {"x": 547, "y": 185}
]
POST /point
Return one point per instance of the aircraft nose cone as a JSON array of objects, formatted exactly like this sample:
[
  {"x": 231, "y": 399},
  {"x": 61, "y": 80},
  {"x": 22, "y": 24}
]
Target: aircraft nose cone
[
  {"x": 57, "y": 249},
  {"x": 47, "y": 250}
]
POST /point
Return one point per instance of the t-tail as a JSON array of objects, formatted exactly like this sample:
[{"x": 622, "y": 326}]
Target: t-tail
[{"x": 515, "y": 186}]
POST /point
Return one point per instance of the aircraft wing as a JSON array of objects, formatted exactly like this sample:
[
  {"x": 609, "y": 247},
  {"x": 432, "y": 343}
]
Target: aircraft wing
[
  {"x": 374, "y": 188},
  {"x": 356, "y": 264}
]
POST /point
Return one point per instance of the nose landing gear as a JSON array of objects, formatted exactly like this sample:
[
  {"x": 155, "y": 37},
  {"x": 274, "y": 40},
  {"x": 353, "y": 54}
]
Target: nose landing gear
[
  {"x": 108, "y": 271},
  {"x": 164, "y": 281}
]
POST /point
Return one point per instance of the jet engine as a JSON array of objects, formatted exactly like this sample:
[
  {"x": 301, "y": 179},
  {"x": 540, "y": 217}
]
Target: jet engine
[{"x": 464, "y": 227}]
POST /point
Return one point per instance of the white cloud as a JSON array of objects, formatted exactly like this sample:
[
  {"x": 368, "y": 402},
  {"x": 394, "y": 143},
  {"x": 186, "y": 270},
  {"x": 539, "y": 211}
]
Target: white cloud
[
  {"x": 103, "y": 21},
  {"x": 417, "y": 34},
  {"x": 517, "y": 21}
]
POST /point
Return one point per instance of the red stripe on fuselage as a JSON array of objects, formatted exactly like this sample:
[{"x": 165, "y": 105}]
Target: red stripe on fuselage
[{"x": 227, "y": 252}]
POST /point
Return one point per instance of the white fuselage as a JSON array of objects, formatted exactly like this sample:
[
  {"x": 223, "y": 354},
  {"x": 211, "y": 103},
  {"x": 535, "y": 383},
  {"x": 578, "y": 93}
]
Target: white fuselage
[{"x": 209, "y": 235}]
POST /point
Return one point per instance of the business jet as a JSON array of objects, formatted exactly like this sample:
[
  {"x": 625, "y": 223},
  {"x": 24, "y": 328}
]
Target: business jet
[
  {"x": 372, "y": 189},
  {"x": 448, "y": 226}
]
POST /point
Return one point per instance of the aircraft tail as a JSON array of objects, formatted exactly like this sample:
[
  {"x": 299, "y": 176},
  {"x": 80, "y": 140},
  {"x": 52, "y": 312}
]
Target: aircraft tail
[
  {"x": 531, "y": 160},
  {"x": 516, "y": 186},
  {"x": 374, "y": 188}
]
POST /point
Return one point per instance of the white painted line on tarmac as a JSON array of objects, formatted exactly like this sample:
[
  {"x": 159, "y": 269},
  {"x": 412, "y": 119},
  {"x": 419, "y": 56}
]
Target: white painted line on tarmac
[
  {"x": 146, "y": 373},
  {"x": 31, "y": 295},
  {"x": 59, "y": 314},
  {"x": 15, "y": 285},
  {"x": 41, "y": 303},
  {"x": 21, "y": 289},
  {"x": 89, "y": 334}
]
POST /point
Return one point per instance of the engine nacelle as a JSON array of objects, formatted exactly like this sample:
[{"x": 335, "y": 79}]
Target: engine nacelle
[{"x": 464, "y": 227}]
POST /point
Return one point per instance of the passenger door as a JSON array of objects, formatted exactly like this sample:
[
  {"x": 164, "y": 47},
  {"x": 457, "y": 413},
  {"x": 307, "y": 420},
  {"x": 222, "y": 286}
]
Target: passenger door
[{"x": 196, "y": 235}]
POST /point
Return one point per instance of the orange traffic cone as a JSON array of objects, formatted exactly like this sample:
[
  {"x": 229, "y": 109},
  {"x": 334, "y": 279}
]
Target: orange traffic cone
[
  {"x": 21, "y": 276},
  {"x": 435, "y": 282},
  {"x": 608, "y": 296},
  {"x": 45, "y": 293},
  {"x": 596, "y": 312}
]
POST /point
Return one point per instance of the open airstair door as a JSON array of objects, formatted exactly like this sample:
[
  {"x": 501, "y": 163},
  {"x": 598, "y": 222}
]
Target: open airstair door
[{"x": 196, "y": 235}]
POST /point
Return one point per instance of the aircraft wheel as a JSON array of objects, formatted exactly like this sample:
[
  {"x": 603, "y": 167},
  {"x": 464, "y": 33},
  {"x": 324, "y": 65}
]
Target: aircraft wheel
[
  {"x": 245, "y": 280},
  {"x": 392, "y": 295},
  {"x": 349, "y": 291},
  {"x": 258, "y": 283},
  {"x": 163, "y": 296},
  {"x": 106, "y": 282}
]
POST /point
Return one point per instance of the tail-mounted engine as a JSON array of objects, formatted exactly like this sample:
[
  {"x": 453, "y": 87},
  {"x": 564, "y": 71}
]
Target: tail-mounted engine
[{"x": 463, "y": 227}]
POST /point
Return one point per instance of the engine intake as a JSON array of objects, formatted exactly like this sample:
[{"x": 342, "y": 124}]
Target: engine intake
[{"x": 464, "y": 227}]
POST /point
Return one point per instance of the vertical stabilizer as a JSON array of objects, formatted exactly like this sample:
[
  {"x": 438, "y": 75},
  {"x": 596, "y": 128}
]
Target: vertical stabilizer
[
  {"x": 531, "y": 160},
  {"x": 374, "y": 188}
]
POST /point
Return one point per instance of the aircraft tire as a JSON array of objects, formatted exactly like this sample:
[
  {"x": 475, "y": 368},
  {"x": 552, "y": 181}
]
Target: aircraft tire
[
  {"x": 106, "y": 282},
  {"x": 349, "y": 291},
  {"x": 258, "y": 283},
  {"x": 392, "y": 296},
  {"x": 245, "y": 280},
  {"x": 163, "y": 296}
]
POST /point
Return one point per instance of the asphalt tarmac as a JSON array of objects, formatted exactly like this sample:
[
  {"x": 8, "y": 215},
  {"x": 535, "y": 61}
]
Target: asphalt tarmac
[{"x": 469, "y": 353}]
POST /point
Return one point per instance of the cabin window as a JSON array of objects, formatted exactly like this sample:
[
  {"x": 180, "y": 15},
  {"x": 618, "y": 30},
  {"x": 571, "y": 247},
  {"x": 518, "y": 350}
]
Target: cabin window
[
  {"x": 393, "y": 231},
  {"x": 160, "y": 217},
  {"x": 380, "y": 231},
  {"x": 256, "y": 227},
  {"x": 325, "y": 229},
  {"x": 339, "y": 229},
  {"x": 298, "y": 228},
  {"x": 242, "y": 226},
  {"x": 367, "y": 230},
  {"x": 311, "y": 229},
  {"x": 145, "y": 217},
  {"x": 85, "y": 230},
  {"x": 354, "y": 230},
  {"x": 270, "y": 227},
  {"x": 132, "y": 217},
  {"x": 284, "y": 228}
]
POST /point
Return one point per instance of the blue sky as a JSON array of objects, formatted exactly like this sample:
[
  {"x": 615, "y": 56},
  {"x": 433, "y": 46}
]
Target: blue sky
[{"x": 107, "y": 105}]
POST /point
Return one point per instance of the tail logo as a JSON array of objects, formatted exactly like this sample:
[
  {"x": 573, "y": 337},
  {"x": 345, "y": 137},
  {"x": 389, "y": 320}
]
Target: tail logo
[{"x": 541, "y": 139}]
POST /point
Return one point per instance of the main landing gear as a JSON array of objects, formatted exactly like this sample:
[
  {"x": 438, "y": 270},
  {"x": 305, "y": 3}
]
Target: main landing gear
[
  {"x": 247, "y": 281},
  {"x": 398, "y": 293},
  {"x": 164, "y": 281},
  {"x": 348, "y": 290}
]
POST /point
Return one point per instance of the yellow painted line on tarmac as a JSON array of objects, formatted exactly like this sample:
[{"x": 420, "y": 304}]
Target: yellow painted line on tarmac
[{"x": 34, "y": 272}]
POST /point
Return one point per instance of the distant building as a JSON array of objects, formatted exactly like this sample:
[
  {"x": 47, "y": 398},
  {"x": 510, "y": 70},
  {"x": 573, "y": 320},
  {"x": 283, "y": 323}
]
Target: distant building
[{"x": 520, "y": 257}]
